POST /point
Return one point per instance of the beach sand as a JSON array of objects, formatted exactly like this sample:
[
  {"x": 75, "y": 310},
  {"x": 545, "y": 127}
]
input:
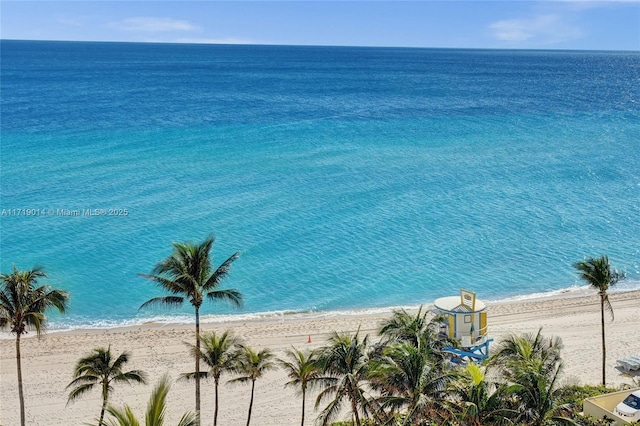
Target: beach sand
[{"x": 159, "y": 349}]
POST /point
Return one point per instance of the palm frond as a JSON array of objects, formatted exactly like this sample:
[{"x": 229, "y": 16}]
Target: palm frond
[
  {"x": 221, "y": 272},
  {"x": 188, "y": 419},
  {"x": 122, "y": 417},
  {"x": 79, "y": 391},
  {"x": 122, "y": 359},
  {"x": 174, "y": 286},
  {"x": 241, "y": 379},
  {"x": 136, "y": 376},
  {"x": 331, "y": 411},
  {"x": 156, "y": 408},
  {"x": 170, "y": 301},
  {"x": 233, "y": 297},
  {"x": 192, "y": 375},
  {"x": 607, "y": 304},
  {"x": 85, "y": 378}
]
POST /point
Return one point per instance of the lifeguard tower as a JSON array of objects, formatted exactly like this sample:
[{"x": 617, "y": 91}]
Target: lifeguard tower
[{"x": 466, "y": 323}]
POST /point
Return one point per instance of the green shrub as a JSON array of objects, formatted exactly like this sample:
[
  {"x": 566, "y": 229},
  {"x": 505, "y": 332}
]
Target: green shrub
[{"x": 577, "y": 394}]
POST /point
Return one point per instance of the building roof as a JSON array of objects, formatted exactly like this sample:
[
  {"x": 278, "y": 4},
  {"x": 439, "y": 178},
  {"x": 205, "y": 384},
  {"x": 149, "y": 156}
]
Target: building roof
[{"x": 452, "y": 304}]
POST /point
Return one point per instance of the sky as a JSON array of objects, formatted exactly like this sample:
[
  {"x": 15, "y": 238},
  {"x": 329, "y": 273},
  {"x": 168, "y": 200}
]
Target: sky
[{"x": 515, "y": 24}]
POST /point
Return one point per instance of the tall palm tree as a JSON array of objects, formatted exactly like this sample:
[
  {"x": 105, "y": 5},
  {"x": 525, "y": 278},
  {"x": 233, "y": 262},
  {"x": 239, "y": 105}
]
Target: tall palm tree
[
  {"x": 345, "y": 363},
  {"x": 100, "y": 368},
  {"x": 303, "y": 369},
  {"x": 598, "y": 274},
  {"x": 155, "y": 413},
  {"x": 22, "y": 307},
  {"x": 187, "y": 273},
  {"x": 220, "y": 354},
  {"x": 252, "y": 365}
]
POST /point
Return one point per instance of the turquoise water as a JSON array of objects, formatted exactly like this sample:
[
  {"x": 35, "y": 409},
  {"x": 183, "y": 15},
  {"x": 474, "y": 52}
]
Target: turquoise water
[{"x": 348, "y": 178}]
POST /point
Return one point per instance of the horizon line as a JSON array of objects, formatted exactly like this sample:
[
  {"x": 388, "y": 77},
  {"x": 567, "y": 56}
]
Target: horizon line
[{"x": 325, "y": 45}]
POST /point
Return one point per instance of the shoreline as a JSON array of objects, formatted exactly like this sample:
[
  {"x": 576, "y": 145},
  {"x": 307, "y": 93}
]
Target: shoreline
[
  {"x": 158, "y": 348},
  {"x": 495, "y": 309},
  {"x": 230, "y": 319}
]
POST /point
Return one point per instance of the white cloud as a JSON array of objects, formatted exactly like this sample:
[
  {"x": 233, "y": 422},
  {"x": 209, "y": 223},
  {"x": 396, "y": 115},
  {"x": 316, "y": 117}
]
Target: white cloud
[
  {"x": 542, "y": 29},
  {"x": 153, "y": 25}
]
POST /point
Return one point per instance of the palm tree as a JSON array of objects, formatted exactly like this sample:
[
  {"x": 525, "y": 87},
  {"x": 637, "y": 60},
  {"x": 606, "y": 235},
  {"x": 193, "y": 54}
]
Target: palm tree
[
  {"x": 599, "y": 275},
  {"x": 252, "y": 365},
  {"x": 188, "y": 273},
  {"x": 479, "y": 401},
  {"x": 537, "y": 390},
  {"x": 156, "y": 409},
  {"x": 220, "y": 354},
  {"x": 416, "y": 330},
  {"x": 345, "y": 362},
  {"x": 531, "y": 364},
  {"x": 408, "y": 376},
  {"x": 22, "y": 306},
  {"x": 303, "y": 370},
  {"x": 516, "y": 349},
  {"x": 404, "y": 327},
  {"x": 100, "y": 368}
]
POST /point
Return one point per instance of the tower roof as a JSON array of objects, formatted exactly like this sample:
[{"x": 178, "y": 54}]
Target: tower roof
[{"x": 453, "y": 304}]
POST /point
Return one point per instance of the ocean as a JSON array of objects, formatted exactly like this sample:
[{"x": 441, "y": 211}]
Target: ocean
[{"x": 347, "y": 178}]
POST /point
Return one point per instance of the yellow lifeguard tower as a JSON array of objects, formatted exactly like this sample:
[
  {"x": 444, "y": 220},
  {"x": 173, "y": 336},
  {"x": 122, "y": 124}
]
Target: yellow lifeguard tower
[{"x": 465, "y": 322}]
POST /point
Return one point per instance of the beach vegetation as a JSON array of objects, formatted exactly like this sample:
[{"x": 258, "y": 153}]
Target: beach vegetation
[
  {"x": 417, "y": 329},
  {"x": 585, "y": 420},
  {"x": 345, "y": 367},
  {"x": 188, "y": 274},
  {"x": 251, "y": 366},
  {"x": 576, "y": 394},
  {"x": 23, "y": 303},
  {"x": 303, "y": 368},
  {"x": 219, "y": 353},
  {"x": 408, "y": 379},
  {"x": 101, "y": 368},
  {"x": 155, "y": 413},
  {"x": 597, "y": 272},
  {"x": 404, "y": 327},
  {"x": 478, "y": 400},
  {"x": 409, "y": 370},
  {"x": 530, "y": 365}
]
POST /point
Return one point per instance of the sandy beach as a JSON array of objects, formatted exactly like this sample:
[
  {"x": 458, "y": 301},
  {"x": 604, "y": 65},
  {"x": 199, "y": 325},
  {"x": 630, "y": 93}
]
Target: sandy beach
[{"x": 159, "y": 349}]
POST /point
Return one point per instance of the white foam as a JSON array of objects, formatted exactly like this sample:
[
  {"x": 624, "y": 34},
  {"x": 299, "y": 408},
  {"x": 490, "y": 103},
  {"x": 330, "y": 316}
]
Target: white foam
[{"x": 573, "y": 291}]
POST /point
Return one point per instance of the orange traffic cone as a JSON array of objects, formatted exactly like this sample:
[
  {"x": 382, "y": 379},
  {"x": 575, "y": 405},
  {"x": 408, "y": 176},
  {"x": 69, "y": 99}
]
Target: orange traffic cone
[{"x": 309, "y": 339}]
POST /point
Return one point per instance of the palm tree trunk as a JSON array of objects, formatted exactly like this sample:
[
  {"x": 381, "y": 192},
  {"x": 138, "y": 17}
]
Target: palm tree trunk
[
  {"x": 198, "y": 365},
  {"x": 215, "y": 410},
  {"x": 20, "y": 390},
  {"x": 253, "y": 385},
  {"x": 105, "y": 397},
  {"x": 303, "y": 400},
  {"x": 354, "y": 407},
  {"x": 604, "y": 347},
  {"x": 104, "y": 406}
]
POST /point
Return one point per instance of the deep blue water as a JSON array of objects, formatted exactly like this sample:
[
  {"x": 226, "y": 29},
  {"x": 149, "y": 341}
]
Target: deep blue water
[{"x": 347, "y": 177}]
